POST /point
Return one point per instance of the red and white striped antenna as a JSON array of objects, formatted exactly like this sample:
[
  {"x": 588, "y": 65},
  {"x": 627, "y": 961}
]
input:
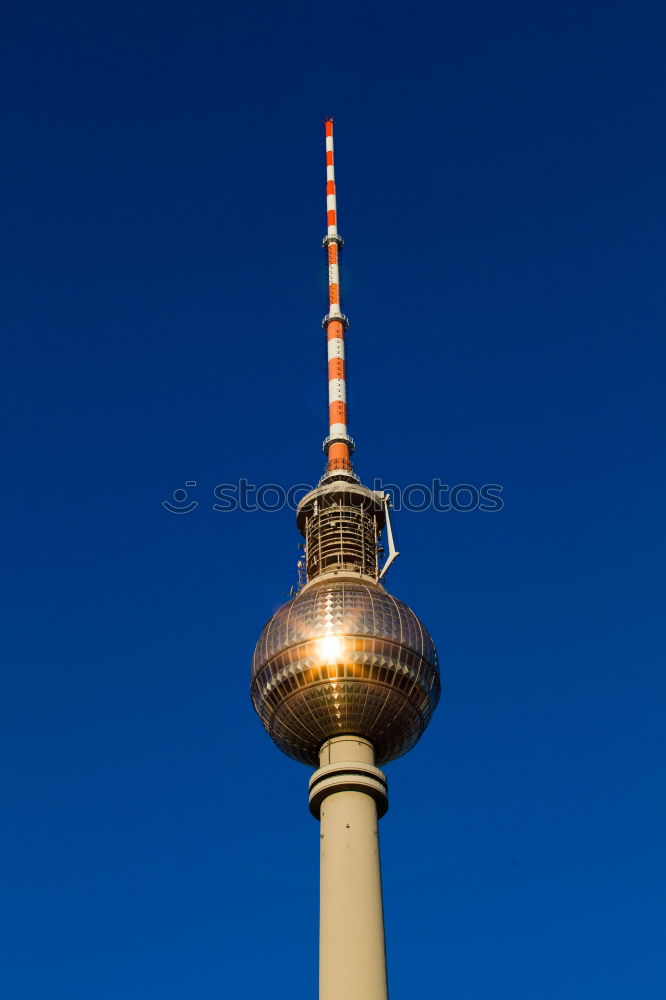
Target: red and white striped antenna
[{"x": 338, "y": 445}]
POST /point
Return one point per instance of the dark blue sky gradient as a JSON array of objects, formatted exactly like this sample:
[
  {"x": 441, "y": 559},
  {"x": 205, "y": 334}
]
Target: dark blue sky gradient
[{"x": 501, "y": 182}]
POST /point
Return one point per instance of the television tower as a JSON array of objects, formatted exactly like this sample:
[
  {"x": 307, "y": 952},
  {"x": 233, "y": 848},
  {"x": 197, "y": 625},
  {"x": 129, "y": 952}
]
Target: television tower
[{"x": 345, "y": 677}]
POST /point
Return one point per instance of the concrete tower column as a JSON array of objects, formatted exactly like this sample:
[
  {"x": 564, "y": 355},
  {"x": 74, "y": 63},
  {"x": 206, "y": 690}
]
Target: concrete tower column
[{"x": 348, "y": 794}]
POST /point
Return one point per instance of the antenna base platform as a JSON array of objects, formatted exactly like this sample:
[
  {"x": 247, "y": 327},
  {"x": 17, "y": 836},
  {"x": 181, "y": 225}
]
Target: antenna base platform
[{"x": 339, "y": 439}]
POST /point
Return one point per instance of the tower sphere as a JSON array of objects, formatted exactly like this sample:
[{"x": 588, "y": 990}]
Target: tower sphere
[{"x": 345, "y": 657}]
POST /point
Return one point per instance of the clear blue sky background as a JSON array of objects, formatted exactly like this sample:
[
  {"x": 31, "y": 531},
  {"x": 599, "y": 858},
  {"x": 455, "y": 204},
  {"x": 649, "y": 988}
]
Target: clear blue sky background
[{"x": 501, "y": 179}]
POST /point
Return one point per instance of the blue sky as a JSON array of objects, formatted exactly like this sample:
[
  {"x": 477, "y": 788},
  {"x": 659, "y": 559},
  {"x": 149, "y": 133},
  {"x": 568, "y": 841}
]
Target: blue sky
[{"x": 501, "y": 193}]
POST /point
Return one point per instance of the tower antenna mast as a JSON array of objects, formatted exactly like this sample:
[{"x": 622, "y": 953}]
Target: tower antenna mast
[{"x": 338, "y": 446}]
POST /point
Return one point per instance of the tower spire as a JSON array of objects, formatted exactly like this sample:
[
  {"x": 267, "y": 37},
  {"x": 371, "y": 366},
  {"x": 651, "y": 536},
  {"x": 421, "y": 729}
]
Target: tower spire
[{"x": 338, "y": 445}]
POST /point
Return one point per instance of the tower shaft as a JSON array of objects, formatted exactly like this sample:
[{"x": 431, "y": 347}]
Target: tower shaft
[
  {"x": 352, "y": 956},
  {"x": 338, "y": 444}
]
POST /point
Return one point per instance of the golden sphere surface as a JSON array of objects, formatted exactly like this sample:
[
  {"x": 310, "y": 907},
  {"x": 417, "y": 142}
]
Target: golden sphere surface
[{"x": 345, "y": 657}]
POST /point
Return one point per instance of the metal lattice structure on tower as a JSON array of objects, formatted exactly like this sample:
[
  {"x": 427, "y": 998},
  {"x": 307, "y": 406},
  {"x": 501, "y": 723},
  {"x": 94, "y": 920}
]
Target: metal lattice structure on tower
[{"x": 345, "y": 676}]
